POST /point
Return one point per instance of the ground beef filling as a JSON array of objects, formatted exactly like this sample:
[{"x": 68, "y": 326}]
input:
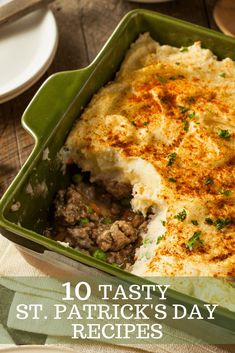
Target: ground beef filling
[{"x": 98, "y": 221}]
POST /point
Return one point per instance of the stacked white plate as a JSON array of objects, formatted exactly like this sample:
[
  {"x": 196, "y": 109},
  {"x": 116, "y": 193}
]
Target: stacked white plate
[{"x": 27, "y": 48}]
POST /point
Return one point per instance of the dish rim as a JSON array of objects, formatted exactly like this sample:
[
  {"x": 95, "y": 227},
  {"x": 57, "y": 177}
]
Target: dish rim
[{"x": 40, "y": 142}]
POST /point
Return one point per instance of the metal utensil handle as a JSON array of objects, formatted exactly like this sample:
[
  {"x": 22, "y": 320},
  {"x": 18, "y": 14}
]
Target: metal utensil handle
[{"x": 16, "y": 9}]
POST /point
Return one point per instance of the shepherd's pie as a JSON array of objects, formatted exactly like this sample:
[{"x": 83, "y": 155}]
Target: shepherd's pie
[{"x": 165, "y": 126}]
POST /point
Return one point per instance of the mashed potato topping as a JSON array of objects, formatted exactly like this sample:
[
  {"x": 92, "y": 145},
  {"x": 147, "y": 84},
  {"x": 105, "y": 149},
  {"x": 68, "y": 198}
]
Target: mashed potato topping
[{"x": 166, "y": 126}]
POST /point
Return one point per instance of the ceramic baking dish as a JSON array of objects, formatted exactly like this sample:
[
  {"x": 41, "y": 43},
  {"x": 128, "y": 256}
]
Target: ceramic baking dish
[{"x": 50, "y": 116}]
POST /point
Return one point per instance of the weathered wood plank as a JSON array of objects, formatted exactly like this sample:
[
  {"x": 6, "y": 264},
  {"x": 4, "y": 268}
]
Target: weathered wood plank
[
  {"x": 72, "y": 51},
  {"x": 100, "y": 17},
  {"x": 9, "y": 162},
  {"x": 15, "y": 143}
]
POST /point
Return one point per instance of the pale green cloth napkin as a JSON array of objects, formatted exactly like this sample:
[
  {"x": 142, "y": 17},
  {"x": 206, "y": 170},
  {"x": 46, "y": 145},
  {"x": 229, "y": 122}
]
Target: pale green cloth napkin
[
  {"x": 13, "y": 264},
  {"x": 5, "y": 337}
]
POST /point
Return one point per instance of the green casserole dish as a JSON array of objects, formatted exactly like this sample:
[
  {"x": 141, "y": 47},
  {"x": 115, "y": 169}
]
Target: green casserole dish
[{"x": 50, "y": 116}]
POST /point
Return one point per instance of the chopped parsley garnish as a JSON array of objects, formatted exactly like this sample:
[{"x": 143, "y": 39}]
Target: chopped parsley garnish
[
  {"x": 107, "y": 220},
  {"x": 225, "y": 192},
  {"x": 186, "y": 126},
  {"x": 172, "y": 180},
  {"x": 115, "y": 265},
  {"x": 144, "y": 256},
  {"x": 192, "y": 115},
  {"x": 220, "y": 223},
  {"x": 209, "y": 221},
  {"x": 194, "y": 222},
  {"x": 77, "y": 178},
  {"x": 162, "y": 79},
  {"x": 90, "y": 210},
  {"x": 194, "y": 240},
  {"x": 224, "y": 134},
  {"x": 146, "y": 123},
  {"x": 173, "y": 78},
  {"x": 163, "y": 223},
  {"x": 181, "y": 215},
  {"x": 183, "y": 49},
  {"x": 208, "y": 181},
  {"x": 126, "y": 201},
  {"x": 183, "y": 109},
  {"x": 177, "y": 63},
  {"x": 171, "y": 159},
  {"x": 223, "y": 74},
  {"x": 84, "y": 221},
  {"x": 191, "y": 99},
  {"x": 99, "y": 254},
  {"x": 159, "y": 239},
  {"x": 147, "y": 241}
]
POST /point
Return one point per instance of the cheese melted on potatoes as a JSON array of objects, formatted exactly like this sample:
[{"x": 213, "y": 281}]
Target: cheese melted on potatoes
[{"x": 165, "y": 125}]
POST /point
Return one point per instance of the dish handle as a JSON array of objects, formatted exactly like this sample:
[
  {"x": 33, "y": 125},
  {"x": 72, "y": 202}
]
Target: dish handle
[{"x": 52, "y": 101}]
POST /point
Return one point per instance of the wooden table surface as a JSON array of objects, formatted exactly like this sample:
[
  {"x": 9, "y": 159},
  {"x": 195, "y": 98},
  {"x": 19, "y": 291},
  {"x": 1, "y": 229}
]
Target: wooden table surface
[{"x": 84, "y": 26}]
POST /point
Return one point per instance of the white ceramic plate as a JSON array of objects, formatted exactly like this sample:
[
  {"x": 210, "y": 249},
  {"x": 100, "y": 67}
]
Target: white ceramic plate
[
  {"x": 35, "y": 349},
  {"x": 27, "y": 48}
]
